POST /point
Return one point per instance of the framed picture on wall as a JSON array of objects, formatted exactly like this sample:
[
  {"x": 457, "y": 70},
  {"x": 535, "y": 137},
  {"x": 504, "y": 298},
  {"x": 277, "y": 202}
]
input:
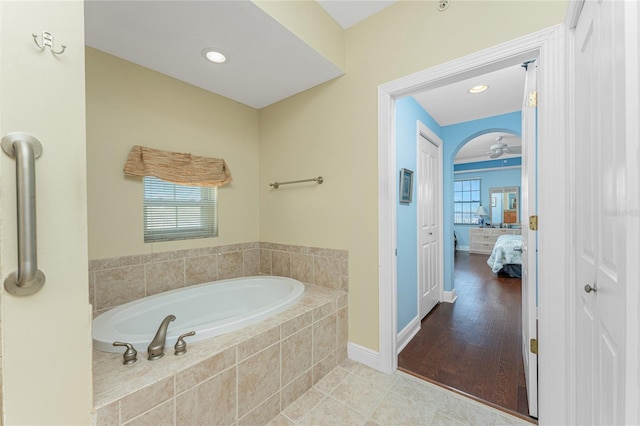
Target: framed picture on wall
[{"x": 406, "y": 186}]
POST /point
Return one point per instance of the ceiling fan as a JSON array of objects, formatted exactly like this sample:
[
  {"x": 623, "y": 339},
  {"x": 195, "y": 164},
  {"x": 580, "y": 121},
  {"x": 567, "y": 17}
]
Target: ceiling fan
[{"x": 497, "y": 149}]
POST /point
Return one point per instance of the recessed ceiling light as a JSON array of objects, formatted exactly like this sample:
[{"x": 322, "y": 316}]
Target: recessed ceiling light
[
  {"x": 214, "y": 55},
  {"x": 478, "y": 89}
]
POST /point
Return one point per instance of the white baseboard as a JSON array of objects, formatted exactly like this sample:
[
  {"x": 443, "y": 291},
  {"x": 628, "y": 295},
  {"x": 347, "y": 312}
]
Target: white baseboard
[
  {"x": 407, "y": 333},
  {"x": 363, "y": 355},
  {"x": 463, "y": 248},
  {"x": 449, "y": 296}
]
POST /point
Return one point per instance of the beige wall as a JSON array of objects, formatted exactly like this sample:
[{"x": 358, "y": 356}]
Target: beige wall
[
  {"x": 331, "y": 130},
  {"x": 130, "y": 105},
  {"x": 46, "y": 351}
]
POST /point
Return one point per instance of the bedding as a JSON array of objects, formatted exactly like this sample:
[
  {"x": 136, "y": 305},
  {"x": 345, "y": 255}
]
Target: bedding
[{"x": 506, "y": 251}]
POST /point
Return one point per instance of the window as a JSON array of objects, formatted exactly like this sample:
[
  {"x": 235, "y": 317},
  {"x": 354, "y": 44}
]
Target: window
[
  {"x": 466, "y": 200},
  {"x": 178, "y": 212}
]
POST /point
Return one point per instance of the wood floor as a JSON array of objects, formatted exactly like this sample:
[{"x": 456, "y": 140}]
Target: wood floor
[{"x": 473, "y": 345}]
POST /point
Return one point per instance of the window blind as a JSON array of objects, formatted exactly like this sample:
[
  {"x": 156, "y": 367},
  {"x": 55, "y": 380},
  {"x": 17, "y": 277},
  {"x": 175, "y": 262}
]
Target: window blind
[{"x": 178, "y": 212}]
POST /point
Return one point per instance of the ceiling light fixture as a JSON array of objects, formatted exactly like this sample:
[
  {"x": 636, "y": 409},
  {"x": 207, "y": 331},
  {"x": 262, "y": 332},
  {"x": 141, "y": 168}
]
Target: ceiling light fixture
[
  {"x": 214, "y": 55},
  {"x": 478, "y": 89}
]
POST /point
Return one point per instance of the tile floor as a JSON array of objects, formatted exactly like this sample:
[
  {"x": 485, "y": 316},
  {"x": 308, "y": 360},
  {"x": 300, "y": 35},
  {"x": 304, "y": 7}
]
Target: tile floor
[{"x": 353, "y": 394}]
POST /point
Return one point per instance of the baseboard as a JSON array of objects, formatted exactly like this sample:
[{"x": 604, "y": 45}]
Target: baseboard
[
  {"x": 449, "y": 296},
  {"x": 462, "y": 248},
  {"x": 363, "y": 355},
  {"x": 407, "y": 333}
]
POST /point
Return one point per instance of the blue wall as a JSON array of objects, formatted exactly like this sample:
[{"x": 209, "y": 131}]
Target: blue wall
[
  {"x": 490, "y": 179},
  {"x": 408, "y": 113},
  {"x": 454, "y": 137}
]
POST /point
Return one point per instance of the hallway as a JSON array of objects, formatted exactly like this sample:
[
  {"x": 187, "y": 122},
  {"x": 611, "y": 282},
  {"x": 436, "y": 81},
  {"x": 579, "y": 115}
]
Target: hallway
[{"x": 473, "y": 345}]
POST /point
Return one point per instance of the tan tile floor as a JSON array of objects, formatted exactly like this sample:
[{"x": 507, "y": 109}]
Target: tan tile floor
[{"x": 353, "y": 394}]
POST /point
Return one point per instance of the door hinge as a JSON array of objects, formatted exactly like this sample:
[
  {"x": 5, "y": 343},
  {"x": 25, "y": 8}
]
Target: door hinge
[
  {"x": 533, "y": 223},
  {"x": 533, "y": 99},
  {"x": 533, "y": 346},
  {"x": 396, "y": 252}
]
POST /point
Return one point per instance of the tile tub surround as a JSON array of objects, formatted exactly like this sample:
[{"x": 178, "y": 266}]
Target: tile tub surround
[
  {"x": 118, "y": 280},
  {"x": 246, "y": 377}
]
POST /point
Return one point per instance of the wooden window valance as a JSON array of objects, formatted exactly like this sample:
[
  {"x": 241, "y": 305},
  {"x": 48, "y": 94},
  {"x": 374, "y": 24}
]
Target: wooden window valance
[{"x": 177, "y": 167}]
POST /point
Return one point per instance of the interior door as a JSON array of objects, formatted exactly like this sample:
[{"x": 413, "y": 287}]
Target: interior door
[
  {"x": 429, "y": 220},
  {"x": 599, "y": 225},
  {"x": 529, "y": 237}
]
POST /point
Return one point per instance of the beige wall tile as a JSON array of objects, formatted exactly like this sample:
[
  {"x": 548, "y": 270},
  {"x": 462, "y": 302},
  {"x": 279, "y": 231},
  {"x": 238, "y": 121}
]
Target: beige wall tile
[
  {"x": 164, "y": 276},
  {"x": 296, "y": 324},
  {"x": 296, "y": 389},
  {"x": 296, "y": 355},
  {"x": 258, "y": 379},
  {"x": 114, "y": 287},
  {"x": 205, "y": 369},
  {"x": 145, "y": 399},
  {"x": 230, "y": 265},
  {"x": 326, "y": 272},
  {"x": 162, "y": 415},
  {"x": 109, "y": 415},
  {"x": 211, "y": 402},
  {"x": 281, "y": 264},
  {"x": 325, "y": 365},
  {"x": 201, "y": 269},
  {"x": 265, "y": 261},
  {"x": 258, "y": 343},
  {"x": 324, "y": 310},
  {"x": 302, "y": 267},
  {"x": 262, "y": 413},
  {"x": 251, "y": 262},
  {"x": 342, "y": 327},
  {"x": 324, "y": 337}
]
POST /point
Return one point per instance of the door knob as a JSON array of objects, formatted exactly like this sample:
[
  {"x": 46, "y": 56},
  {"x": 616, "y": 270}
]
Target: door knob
[{"x": 590, "y": 289}]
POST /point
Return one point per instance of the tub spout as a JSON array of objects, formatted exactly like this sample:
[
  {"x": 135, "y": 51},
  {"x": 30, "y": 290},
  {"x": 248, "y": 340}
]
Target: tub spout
[{"x": 156, "y": 347}]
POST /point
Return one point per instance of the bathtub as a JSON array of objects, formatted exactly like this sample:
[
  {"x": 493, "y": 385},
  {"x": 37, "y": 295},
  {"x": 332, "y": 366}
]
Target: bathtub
[{"x": 209, "y": 309}]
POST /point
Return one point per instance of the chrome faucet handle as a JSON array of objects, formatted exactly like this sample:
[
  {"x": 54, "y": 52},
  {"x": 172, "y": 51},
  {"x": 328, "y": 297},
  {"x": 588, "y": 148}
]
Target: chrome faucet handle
[
  {"x": 130, "y": 355},
  {"x": 181, "y": 345}
]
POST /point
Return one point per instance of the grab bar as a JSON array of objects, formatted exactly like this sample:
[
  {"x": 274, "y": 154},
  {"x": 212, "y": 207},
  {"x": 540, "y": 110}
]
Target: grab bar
[
  {"x": 318, "y": 179},
  {"x": 25, "y": 149}
]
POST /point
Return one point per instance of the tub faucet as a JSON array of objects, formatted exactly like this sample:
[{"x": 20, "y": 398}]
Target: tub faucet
[{"x": 156, "y": 347}]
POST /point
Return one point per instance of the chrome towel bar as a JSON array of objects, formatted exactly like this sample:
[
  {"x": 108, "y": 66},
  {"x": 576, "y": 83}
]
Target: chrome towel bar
[
  {"x": 25, "y": 149},
  {"x": 318, "y": 179}
]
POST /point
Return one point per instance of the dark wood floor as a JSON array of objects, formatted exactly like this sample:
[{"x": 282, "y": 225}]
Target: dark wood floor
[{"x": 473, "y": 345}]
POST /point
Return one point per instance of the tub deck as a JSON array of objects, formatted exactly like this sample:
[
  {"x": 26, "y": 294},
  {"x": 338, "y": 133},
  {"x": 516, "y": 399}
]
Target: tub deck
[{"x": 265, "y": 366}]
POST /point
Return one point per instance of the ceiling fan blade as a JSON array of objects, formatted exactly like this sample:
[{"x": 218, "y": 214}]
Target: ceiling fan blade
[
  {"x": 496, "y": 154},
  {"x": 514, "y": 150}
]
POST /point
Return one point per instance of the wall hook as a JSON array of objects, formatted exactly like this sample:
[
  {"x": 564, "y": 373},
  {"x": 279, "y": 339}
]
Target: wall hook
[{"x": 47, "y": 40}]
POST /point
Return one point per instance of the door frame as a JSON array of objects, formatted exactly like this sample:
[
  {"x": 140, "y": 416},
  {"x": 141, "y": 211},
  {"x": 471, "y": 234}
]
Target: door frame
[{"x": 555, "y": 335}]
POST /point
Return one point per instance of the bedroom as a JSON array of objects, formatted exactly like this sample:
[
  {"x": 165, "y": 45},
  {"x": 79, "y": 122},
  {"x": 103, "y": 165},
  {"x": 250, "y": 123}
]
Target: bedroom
[{"x": 493, "y": 174}]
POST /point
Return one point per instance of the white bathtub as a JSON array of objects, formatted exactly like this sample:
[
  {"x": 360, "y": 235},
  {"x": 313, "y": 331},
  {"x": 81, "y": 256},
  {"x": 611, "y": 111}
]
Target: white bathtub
[{"x": 209, "y": 309}]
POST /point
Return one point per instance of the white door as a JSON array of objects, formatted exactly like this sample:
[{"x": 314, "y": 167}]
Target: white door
[
  {"x": 429, "y": 220},
  {"x": 600, "y": 192},
  {"x": 529, "y": 238}
]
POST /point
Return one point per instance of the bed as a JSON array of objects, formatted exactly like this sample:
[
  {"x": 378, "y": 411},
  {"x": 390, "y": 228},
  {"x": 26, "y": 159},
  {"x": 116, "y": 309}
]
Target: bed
[{"x": 506, "y": 257}]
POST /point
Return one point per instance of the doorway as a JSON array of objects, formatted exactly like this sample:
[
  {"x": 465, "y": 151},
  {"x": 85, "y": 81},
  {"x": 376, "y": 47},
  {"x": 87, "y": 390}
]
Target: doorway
[{"x": 548, "y": 46}]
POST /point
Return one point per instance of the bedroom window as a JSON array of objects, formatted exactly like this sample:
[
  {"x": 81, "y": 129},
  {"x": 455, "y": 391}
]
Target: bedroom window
[
  {"x": 466, "y": 199},
  {"x": 178, "y": 212}
]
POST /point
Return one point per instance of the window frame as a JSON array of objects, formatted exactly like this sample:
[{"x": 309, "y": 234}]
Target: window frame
[{"x": 473, "y": 204}]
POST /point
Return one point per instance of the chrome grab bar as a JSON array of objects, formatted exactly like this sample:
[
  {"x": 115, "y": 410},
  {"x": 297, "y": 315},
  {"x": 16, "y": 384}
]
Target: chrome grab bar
[{"x": 25, "y": 149}]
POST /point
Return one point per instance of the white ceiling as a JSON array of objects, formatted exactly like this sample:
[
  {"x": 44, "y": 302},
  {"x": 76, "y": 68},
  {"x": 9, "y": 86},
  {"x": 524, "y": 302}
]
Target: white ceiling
[
  {"x": 267, "y": 63},
  {"x": 349, "y": 12}
]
